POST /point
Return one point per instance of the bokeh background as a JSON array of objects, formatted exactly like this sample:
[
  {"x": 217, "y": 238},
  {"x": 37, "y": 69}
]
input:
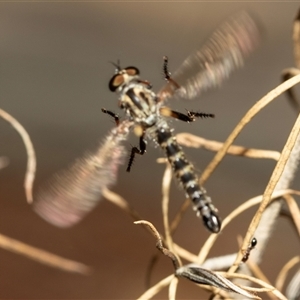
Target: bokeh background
[{"x": 54, "y": 71}]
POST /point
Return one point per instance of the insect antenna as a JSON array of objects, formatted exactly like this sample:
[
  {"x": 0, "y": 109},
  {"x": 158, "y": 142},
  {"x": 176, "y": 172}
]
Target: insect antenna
[{"x": 117, "y": 65}]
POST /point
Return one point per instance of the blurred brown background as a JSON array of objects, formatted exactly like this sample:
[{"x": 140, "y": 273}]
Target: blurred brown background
[{"x": 54, "y": 71}]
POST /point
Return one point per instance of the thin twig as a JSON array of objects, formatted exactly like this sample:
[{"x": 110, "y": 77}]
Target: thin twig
[
  {"x": 281, "y": 179},
  {"x": 281, "y": 277},
  {"x": 258, "y": 273},
  {"x": 272, "y": 184},
  {"x": 43, "y": 256},
  {"x": 166, "y": 182},
  {"x": 257, "y": 281},
  {"x": 150, "y": 293},
  {"x": 173, "y": 288},
  {"x": 258, "y": 106},
  {"x": 243, "y": 207},
  {"x": 31, "y": 160},
  {"x": 190, "y": 140},
  {"x": 159, "y": 243},
  {"x": 291, "y": 95},
  {"x": 294, "y": 210},
  {"x": 121, "y": 203}
]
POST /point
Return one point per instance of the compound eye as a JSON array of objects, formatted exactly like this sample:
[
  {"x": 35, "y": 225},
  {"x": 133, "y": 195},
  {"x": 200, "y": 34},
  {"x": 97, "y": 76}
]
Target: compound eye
[
  {"x": 132, "y": 71},
  {"x": 115, "y": 82}
]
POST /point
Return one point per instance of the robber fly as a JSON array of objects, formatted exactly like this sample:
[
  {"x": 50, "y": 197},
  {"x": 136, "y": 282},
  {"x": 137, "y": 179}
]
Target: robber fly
[{"x": 75, "y": 192}]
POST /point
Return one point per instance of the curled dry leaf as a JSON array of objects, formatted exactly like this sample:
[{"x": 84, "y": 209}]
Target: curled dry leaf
[{"x": 207, "y": 277}]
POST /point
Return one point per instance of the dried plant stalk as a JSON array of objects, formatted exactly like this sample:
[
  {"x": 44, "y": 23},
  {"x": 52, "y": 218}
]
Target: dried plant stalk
[
  {"x": 31, "y": 159},
  {"x": 190, "y": 140},
  {"x": 258, "y": 106},
  {"x": 43, "y": 256},
  {"x": 281, "y": 277},
  {"x": 165, "y": 205},
  {"x": 278, "y": 171},
  {"x": 294, "y": 210},
  {"x": 244, "y": 206}
]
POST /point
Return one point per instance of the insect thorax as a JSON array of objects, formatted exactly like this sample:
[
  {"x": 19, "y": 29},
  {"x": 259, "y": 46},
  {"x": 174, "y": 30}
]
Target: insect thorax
[{"x": 140, "y": 104}]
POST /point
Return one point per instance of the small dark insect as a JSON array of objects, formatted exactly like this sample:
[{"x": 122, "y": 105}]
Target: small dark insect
[
  {"x": 250, "y": 247},
  {"x": 75, "y": 192}
]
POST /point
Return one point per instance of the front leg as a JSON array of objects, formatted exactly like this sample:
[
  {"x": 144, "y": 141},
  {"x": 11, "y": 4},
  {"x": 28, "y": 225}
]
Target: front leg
[
  {"x": 168, "y": 74},
  {"x": 112, "y": 114},
  {"x": 136, "y": 150}
]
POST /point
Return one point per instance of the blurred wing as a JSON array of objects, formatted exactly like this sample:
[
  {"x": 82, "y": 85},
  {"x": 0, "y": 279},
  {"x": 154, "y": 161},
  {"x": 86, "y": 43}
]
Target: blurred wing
[
  {"x": 224, "y": 52},
  {"x": 74, "y": 192}
]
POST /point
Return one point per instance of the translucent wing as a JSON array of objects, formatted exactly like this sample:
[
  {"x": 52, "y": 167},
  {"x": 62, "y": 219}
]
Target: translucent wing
[
  {"x": 74, "y": 192},
  {"x": 224, "y": 52}
]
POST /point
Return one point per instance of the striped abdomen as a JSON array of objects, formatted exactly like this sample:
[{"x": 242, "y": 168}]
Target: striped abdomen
[{"x": 185, "y": 173}]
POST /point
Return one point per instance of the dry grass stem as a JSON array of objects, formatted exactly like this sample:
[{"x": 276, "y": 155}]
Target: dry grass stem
[
  {"x": 152, "y": 228},
  {"x": 257, "y": 272},
  {"x": 243, "y": 207},
  {"x": 31, "y": 159},
  {"x": 294, "y": 210},
  {"x": 228, "y": 143},
  {"x": 166, "y": 182},
  {"x": 173, "y": 288},
  {"x": 190, "y": 140},
  {"x": 185, "y": 254},
  {"x": 159, "y": 243},
  {"x": 266, "y": 286},
  {"x": 179, "y": 215},
  {"x": 165, "y": 251},
  {"x": 272, "y": 184},
  {"x": 257, "y": 107},
  {"x": 281, "y": 277},
  {"x": 285, "y": 75},
  {"x": 43, "y": 256},
  {"x": 121, "y": 203},
  {"x": 150, "y": 293}
]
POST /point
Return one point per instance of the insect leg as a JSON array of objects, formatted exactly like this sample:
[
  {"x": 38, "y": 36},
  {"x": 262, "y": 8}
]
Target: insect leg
[
  {"x": 136, "y": 150},
  {"x": 193, "y": 115},
  {"x": 168, "y": 74},
  {"x": 112, "y": 114},
  {"x": 190, "y": 116}
]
